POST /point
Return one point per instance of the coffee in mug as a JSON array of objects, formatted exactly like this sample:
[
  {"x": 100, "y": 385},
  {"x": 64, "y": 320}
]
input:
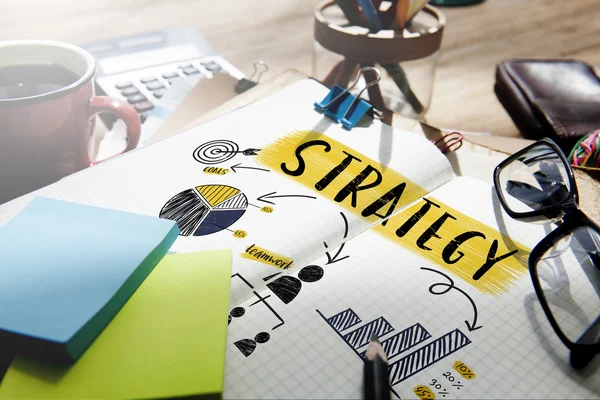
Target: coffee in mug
[{"x": 47, "y": 110}]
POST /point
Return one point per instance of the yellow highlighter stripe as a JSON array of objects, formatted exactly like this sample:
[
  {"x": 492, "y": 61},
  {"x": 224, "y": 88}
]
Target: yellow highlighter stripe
[
  {"x": 255, "y": 253},
  {"x": 354, "y": 181},
  {"x": 477, "y": 253}
]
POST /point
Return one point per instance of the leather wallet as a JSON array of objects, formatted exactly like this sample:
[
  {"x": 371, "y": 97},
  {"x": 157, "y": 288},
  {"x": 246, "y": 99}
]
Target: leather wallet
[{"x": 559, "y": 99}]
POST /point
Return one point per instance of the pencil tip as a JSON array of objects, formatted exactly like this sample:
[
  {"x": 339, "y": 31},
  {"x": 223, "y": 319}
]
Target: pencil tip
[{"x": 374, "y": 337}]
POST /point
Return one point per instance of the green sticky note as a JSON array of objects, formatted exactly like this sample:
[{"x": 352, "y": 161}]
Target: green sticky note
[{"x": 168, "y": 340}]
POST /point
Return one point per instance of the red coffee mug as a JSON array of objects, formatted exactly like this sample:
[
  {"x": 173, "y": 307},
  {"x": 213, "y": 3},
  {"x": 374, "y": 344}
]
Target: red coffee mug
[{"x": 50, "y": 135}]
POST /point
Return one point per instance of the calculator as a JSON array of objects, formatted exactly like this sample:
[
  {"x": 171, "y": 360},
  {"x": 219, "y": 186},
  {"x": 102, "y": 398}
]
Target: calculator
[{"x": 140, "y": 68}]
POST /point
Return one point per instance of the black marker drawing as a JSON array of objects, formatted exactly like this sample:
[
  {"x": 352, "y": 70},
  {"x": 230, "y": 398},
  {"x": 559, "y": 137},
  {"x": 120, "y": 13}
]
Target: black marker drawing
[
  {"x": 334, "y": 259},
  {"x": 287, "y": 287},
  {"x": 239, "y": 166},
  {"x": 237, "y": 312},
  {"x": 446, "y": 287},
  {"x": 243, "y": 280},
  {"x": 344, "y": 320},
  {"x": 264, "y": 301},
  {"x": 262, "y": 337},
  {"x": 247, "y": 346},
  {"x": 350, "y": 328},
  {"x": 404, "y": 340},
  {"x": 274, "y": 195},
  {"x": 361, "y": 336},
  {"x": 258, "y": 301},
  {"x": 266, "y": 278},
  {"x": 310, "y": 273},
  {"x": 218, "y": 151},
  {"x": 205, "y": 209},
  {"x": 215, "y": 151},
  {"x": 427, "y": 355}
]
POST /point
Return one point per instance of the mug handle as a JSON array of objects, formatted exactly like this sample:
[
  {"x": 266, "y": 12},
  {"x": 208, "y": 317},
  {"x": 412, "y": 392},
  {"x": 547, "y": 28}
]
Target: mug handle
[{"x": 123, "y": 110}]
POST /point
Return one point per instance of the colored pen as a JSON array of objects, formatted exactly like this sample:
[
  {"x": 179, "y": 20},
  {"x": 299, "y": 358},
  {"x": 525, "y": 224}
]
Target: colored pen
[
  {"x": 376, "y": 381},
  {"x": 370, "y": 13},
  {"x": 401, "y": 13},
  {"x": 351, "y": 11}
]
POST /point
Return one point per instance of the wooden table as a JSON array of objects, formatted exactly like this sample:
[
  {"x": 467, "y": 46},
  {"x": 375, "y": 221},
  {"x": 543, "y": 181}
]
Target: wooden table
[{"x": 281, "y": 33}]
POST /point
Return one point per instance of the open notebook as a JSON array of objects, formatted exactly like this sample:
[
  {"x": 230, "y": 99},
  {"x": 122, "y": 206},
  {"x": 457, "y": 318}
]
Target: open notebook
[{"x": 316, "y": 270}]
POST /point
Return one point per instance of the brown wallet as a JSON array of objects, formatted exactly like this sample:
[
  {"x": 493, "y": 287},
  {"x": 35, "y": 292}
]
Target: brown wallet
[{"x": 559, "y": 99}]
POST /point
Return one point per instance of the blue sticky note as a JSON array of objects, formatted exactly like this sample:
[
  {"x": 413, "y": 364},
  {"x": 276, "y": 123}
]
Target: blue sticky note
[{"x": 66, "y": 269}]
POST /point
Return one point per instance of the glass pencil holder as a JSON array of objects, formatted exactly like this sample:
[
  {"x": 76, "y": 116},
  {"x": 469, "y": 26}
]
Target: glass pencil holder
[{"x": 407, "y": 59}]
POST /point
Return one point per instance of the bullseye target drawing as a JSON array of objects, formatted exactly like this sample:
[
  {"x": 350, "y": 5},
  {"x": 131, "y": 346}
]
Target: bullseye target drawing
[{"x": 216, "y": 151}]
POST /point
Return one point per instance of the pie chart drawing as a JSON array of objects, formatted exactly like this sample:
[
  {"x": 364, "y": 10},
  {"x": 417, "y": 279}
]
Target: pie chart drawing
[{"x": 205, "y": 209}]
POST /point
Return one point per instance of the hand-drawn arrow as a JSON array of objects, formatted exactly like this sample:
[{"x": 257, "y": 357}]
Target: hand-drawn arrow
[
  {"x": 274, "y": 195},
  {"x": 239, "y": 166},
  {"x": 334, "y": 259},
  {"x": 448, "y": 286}
]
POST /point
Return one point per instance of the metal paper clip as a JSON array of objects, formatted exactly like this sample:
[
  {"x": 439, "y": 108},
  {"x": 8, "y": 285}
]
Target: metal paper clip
[
  {"x": 342, "y": 106},
  {"x": 245, "y": 84},
  {"x": 449, "y": 142}
]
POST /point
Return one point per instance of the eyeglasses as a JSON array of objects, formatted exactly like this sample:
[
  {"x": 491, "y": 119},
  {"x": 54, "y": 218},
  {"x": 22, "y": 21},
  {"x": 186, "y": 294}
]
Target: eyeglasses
[{"x": 537, "y": 185}]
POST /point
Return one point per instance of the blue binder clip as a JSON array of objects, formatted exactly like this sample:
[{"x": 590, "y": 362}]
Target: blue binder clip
[{"x": 345, "y": 108}]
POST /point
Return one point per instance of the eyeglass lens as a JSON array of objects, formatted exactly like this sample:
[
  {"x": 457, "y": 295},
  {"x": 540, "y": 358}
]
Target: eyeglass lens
[
  {"x": 535, "y": 180},
  {"x": 571, "y": 285}
]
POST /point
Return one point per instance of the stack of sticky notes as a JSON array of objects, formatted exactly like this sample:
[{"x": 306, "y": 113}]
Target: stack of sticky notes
[
  {"x": 168, "y": 341},
  {"x": 66, "y": 269}
]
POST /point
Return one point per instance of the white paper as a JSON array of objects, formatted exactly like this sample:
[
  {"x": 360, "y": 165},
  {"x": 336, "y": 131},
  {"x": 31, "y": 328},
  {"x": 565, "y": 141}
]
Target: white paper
[{"x": 514, "y": 352}]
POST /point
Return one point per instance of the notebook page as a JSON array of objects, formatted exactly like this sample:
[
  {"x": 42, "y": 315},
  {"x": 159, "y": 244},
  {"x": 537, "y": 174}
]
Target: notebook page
[
  {"x": 462, "y": 342},
  {"x": 208, "y": 180}
]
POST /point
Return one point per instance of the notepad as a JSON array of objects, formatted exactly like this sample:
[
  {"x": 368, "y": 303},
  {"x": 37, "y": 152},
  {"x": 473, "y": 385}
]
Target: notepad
[
  {"x": 167, "y": 341},
  {"x": 67, "y": 269},
  {"x": 443, "y": 281}
]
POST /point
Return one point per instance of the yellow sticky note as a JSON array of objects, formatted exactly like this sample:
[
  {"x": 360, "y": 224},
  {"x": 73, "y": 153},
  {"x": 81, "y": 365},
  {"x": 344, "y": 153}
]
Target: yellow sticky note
[{"x": 168, "y": 340}]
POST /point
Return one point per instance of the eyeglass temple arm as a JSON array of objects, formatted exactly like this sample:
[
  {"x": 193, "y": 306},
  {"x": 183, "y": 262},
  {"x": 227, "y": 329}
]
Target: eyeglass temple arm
[{"x": 590, "y": 335}]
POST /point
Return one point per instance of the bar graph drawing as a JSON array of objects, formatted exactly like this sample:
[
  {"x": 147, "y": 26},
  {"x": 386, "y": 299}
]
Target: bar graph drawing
[{"x": 402, "y": 364}]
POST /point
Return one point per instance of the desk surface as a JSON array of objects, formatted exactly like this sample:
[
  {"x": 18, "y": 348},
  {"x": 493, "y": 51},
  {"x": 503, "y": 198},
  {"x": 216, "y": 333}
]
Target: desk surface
[{"x": 280, "y": 32}]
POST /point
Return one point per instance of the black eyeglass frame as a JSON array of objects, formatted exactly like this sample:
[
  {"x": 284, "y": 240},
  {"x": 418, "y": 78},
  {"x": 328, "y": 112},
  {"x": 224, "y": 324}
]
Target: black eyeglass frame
[
  {"x": 572, "y": 221},
  {"x": 569, "y": 204},
  {"x": 572, "y": 218}
]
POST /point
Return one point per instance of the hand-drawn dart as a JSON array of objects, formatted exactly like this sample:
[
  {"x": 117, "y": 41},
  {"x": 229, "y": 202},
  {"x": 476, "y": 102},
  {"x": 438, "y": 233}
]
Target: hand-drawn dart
[
  {"x": 218, "y": 151},
  {"x": 247, "y": 152}
]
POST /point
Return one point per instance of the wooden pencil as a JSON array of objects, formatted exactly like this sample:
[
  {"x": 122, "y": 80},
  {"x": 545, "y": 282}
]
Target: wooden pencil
[
  {"x": 376, "y": 381},
  {"x": 401, "y": 14}
]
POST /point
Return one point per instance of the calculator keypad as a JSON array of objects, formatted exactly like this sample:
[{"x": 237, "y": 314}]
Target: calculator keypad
[
  {"x": 123, "y": 84},
  {"x": 212, "y": 66},
  {"x": 130, "y": 91},
  {"x": 136, "y": 98},
  {"x": 143, "y": 106},
  {"x": 155, "y": 85},
  {"x": 142, "y": 92},
  {"x": 147, "y": 79},
  {"x": 190, "y": 70},
  {"x": 159, "y": 93}
]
